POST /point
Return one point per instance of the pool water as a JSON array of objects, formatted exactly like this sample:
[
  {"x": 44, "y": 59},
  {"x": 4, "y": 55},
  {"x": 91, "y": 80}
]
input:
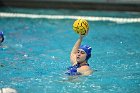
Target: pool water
[{"x": 36, "y": 51}]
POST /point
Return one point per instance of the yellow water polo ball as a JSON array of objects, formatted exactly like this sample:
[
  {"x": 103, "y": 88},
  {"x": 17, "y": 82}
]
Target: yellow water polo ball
[{"x": 81, "y": 26}]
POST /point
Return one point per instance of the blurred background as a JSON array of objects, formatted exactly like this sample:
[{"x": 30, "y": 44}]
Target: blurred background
[{"x": 119, "y": 5}]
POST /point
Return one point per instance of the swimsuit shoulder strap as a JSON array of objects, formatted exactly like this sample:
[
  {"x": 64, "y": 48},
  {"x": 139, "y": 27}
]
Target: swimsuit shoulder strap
[{"x": 78, "y": 65}]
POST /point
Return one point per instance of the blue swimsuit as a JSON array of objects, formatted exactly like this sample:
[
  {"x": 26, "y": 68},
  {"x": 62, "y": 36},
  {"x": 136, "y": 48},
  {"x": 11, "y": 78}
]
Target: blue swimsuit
[{"x": 72, "y": 70}]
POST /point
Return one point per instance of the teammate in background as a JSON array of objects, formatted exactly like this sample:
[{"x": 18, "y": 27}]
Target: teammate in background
[
  {"x": 1, "y": 41},
  {"x": 1, "y": 37}
]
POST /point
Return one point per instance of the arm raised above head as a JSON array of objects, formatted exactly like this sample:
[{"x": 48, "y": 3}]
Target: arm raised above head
[{"x": 75, "y": 49}]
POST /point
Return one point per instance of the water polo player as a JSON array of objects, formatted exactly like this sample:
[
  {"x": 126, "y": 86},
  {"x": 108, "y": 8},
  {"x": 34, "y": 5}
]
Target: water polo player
[{"x": 79, "y": 57}]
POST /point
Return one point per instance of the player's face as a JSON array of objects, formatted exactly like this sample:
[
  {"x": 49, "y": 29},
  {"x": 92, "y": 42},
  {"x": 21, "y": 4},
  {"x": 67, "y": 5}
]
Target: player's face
[{"x": 81, "y": 55}]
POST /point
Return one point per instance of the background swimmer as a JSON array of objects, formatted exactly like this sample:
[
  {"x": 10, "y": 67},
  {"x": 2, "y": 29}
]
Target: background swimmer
[
  {"x": 1, "y": 37},
  {"x": 2, "y": 40}
]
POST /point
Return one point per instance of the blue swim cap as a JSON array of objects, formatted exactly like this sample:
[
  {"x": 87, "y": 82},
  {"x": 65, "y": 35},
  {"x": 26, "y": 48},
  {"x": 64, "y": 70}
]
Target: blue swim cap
[
  {"x": 2, "y": 36},
  {"x": 87, "y": 49}
]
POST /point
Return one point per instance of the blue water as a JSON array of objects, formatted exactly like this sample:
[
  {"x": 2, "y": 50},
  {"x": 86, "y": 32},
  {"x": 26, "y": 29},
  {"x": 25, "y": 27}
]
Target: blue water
[{"x": 37, "y": 53}]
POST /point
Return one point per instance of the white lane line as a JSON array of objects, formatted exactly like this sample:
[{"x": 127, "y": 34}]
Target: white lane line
[{"x": 89, "y": 18}]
